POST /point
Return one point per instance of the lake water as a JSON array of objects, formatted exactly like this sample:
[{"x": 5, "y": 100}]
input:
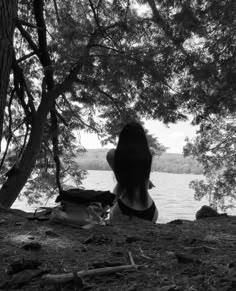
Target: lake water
[{"x": 172, "y": 195}]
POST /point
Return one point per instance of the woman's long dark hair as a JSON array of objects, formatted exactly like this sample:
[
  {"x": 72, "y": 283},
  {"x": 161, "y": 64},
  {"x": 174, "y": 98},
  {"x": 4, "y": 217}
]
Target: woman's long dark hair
[{"x": 132, "y": 161}]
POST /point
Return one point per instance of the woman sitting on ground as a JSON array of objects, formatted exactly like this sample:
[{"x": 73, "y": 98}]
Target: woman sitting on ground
[{"x": 131, "y": 163}]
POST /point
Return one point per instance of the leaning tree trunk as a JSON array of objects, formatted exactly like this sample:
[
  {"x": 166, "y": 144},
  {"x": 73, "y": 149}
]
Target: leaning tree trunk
[
  {"x": 19, "y": 174},
  {"x": 8, "y": 13}
]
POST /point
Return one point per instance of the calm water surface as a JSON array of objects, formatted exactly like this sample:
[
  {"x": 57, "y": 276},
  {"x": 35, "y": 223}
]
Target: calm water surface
[{"x": 172, "y": 195}]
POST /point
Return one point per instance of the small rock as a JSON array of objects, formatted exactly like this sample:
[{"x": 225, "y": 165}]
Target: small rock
[
  {"x": 32, "y": 246},
  {"x": 206, "y": 211}
]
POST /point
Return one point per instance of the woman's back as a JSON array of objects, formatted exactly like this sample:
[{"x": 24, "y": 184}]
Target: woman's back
[{"x": 132, "y": 166}]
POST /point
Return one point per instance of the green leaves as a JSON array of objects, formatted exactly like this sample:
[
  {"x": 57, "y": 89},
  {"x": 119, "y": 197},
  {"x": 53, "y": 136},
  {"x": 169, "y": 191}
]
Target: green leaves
[
  {"x": 214, "y": 148},
  {"x": 107, "y": 59}
]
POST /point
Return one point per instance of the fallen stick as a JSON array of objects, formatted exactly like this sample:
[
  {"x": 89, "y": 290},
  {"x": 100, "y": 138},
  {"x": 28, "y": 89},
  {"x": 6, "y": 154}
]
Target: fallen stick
[
  {"x": 63, "y": 278},
  {"x": 143, "y": 255},
  {"x": 131, "y": 259}
]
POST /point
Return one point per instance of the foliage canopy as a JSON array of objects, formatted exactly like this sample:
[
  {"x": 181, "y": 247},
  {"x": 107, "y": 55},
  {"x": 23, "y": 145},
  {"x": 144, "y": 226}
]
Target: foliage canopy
[
  {"x": 75, "y": 60},
  {"x": 214, "y": 148}
]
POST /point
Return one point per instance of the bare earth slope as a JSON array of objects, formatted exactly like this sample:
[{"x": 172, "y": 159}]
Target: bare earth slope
[{"x": 197, "y": 255}]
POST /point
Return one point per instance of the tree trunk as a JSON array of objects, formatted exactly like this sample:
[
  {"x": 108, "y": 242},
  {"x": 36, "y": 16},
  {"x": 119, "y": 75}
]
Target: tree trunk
[
  {"x": 19, "y": 174},
  {"x": 8, "y": 14}
]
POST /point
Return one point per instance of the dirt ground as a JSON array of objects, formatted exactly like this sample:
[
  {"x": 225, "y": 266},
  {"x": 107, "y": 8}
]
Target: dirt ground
[{"x": 182, "y": 255}]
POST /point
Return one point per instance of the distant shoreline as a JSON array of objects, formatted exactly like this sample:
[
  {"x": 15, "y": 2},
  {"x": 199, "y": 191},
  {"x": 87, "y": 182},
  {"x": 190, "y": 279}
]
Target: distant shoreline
[
  {"x": 109, "y": 170},
  {"x": 95, "y": 159}
]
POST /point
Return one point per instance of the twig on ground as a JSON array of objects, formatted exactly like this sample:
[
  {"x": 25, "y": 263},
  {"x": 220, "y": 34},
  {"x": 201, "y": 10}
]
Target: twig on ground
[
  {"x": 209, "y": 248},
  {"x": 143, "y": 255},
  {"x": 131, "y": 258},
  {"x": 63, "y": 278}
]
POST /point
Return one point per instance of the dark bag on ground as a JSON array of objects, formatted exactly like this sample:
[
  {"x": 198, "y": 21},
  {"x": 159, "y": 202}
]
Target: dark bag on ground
[
  {"x": 83, "y": 196},
  {"x": 83, "y": 207}
]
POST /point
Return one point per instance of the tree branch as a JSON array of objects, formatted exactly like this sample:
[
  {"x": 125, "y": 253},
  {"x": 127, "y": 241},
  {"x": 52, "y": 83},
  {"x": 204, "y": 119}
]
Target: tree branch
[
  {"x": 27, "y": 36},
  {"x": 157, "y": 18},
  {"x": 62, "y": 278},
  {"x": 49, "y": 81},
  {"x": 55, "y": 143},
  {"x": 56, "y": 9},
  {"x": 77, "y": 116},
  {"x": 42, "y": 39},
  {"x": 95, "y": 16},
  {"x": 110, "y": 98},
  {"x": 107, "y": 47},
  {"x": 10, "y": 129},
  {"x": 20, "y": 85},
  {"x": 96, "y": 86},
  {"x": 25, "y": 23},
  {"x": 25, "y": 57},
  {"x": 61, "y": 117},
  {"x": 25, "y": 138}
]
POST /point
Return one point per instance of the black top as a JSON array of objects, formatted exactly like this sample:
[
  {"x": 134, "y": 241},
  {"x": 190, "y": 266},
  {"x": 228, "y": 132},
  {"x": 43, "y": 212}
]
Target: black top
[{"x": 147, "y": 214}]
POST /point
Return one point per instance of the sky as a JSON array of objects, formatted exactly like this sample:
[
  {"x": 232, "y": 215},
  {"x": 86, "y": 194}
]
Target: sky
[{"x": 172, "y": 137}]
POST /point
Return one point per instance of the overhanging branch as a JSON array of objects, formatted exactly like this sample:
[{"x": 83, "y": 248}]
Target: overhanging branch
[
  {"x": 25, "y": 57},
  {"x": 77, "y": 116},
  {"x": 20, "y": 87},
  {"x": 25, "y": 23},
  {"x": 49, "y": 82},
  {"x": 56, "y": 10},
  {"x": 28, "y": 38}
]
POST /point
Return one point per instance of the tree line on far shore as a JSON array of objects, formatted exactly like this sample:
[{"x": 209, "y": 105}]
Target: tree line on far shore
[{"x": 95, "y": 159}]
